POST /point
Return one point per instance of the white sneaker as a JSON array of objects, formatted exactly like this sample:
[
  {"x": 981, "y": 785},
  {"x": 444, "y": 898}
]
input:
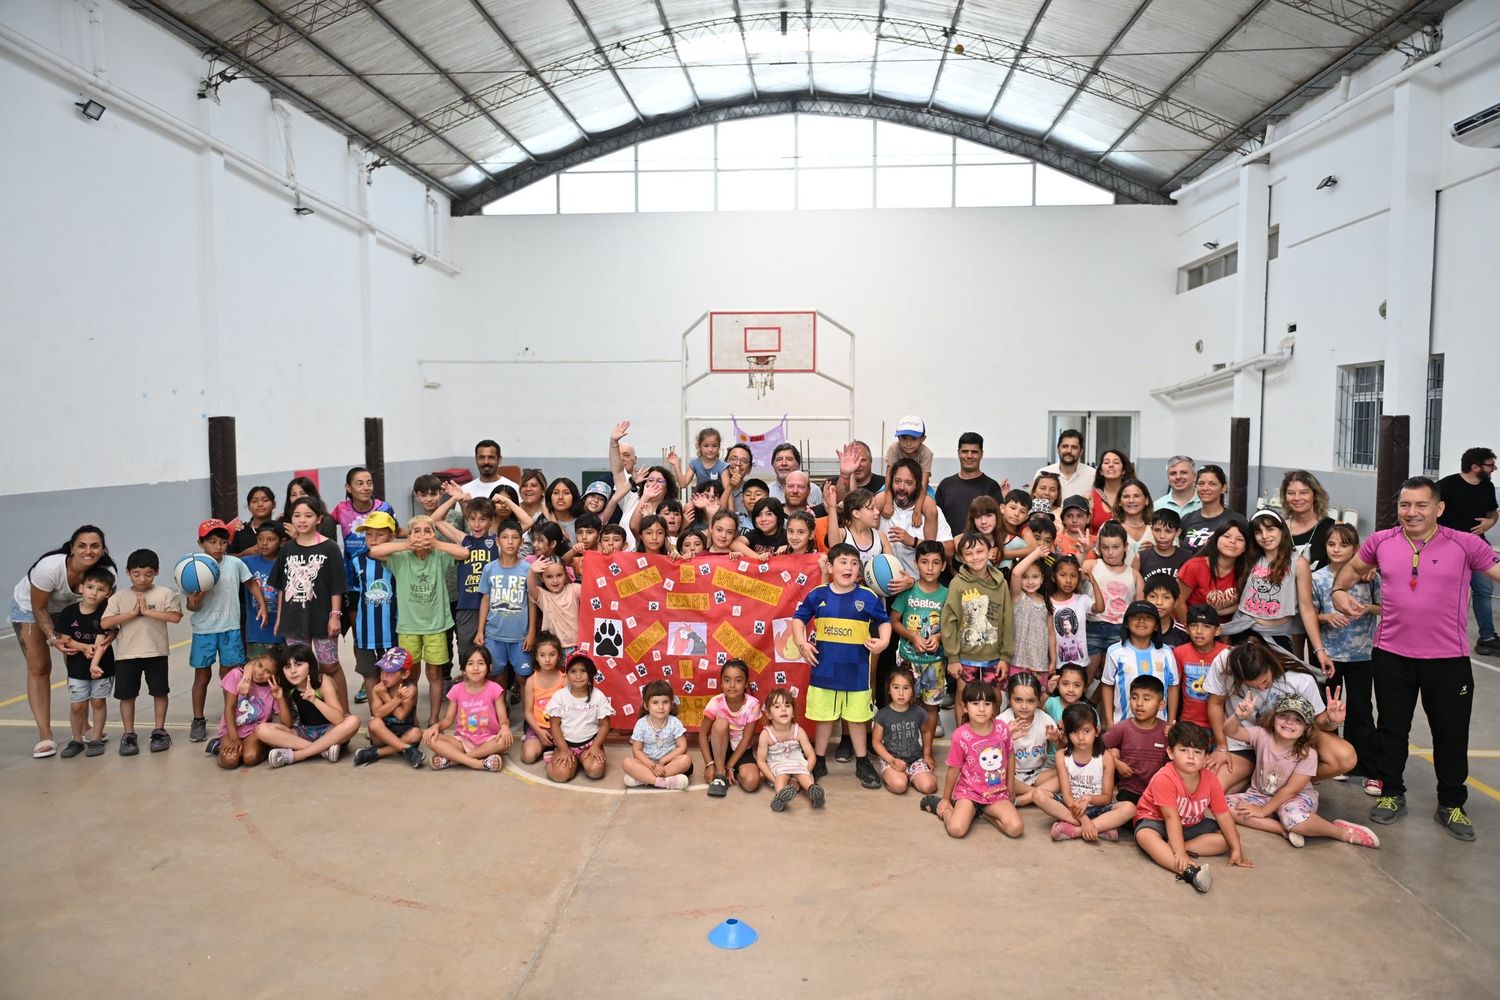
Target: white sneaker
[
  {"x": 332, "y": 753},
  {"x": 1296, "y": 839},
  {"x": 280, "y": 757}
]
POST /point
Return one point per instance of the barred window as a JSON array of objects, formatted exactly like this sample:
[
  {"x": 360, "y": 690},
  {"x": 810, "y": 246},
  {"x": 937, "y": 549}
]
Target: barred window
[{"x": 1361, "y": 394}]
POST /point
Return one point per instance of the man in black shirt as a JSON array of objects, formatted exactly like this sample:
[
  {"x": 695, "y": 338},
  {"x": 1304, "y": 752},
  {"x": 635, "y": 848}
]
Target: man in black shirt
[
  {"x": 955, "y": 493},
  {"x": 1469, "y": 505}
]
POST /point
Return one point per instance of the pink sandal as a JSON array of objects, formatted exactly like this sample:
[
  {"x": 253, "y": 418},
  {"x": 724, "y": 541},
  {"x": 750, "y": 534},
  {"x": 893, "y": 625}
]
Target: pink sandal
[{"x": 493, "y": 762}]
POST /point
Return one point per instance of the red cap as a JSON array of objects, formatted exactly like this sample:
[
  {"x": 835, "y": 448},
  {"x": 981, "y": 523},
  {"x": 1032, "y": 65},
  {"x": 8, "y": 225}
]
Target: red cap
[{"x": 211, "y": 525}]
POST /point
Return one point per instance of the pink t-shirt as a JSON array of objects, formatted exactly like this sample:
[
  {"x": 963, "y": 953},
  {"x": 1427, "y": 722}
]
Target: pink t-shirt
[
  {"x": 476, "y": 721},
  {"x": 1192, "y": 807},
  {"x": 718, "y": 708},
  {"x": 1273, "y": 768},
  {"x": 249, "y": 710},
  {"x": 1431, "y": 620},
  {"x": 980, "y": 760}
]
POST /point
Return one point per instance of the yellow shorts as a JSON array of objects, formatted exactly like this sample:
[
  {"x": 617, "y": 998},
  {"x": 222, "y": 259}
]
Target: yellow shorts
[
  {"x": 426, "y": 648},
  {"x": 824, "y": 705}
]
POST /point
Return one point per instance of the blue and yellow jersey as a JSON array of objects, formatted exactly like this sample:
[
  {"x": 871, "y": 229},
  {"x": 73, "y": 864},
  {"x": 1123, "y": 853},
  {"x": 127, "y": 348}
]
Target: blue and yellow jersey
[{"x": 844, "y": 623}]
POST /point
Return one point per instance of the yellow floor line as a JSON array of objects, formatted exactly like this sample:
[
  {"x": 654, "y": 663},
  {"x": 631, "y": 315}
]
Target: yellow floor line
[
  {"x": 1473, "y": 783},
  {"x": 63, "y": 683}
]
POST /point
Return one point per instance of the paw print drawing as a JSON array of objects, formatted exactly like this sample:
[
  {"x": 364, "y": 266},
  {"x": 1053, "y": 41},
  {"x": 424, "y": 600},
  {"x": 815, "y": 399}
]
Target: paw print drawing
[{"x": 607, "y": 637}]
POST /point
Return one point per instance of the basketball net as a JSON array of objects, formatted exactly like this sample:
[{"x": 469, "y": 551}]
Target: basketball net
[{"x": 762, "y": 369}]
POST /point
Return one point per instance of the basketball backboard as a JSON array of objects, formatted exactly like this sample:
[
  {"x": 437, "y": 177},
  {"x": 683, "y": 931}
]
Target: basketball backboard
[{"x": 789, "y": 337}]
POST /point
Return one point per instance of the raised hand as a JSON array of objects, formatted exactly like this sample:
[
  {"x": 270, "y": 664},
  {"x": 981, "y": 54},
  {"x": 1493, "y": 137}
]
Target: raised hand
[
  {"x": 1245, "y": 710},
  {"x": 1337, "y": 710},
  {"x": 621, "y": 429},
  {"x": 848, "y": 457}
]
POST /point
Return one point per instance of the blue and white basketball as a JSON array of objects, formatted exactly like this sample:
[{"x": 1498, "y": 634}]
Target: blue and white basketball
[
  {"x": 196, "y": 574},
  {"x": 880, "y": 571}
]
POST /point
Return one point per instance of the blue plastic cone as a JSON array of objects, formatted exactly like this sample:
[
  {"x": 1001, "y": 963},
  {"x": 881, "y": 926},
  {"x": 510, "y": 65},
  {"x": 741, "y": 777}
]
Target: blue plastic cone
[{"x": 732, "y": 935}]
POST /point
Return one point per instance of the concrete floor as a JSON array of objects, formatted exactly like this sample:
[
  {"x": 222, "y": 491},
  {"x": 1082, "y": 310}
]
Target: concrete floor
[{"x": 162, "y": 876}]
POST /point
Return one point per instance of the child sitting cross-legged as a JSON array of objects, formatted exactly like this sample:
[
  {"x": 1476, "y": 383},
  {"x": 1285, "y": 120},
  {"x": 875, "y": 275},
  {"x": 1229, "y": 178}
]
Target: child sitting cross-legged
[
  {"x": 1084, "y": 803},
  {"x": 658, "y": 744},
  {"x": 310, "y": 720}
]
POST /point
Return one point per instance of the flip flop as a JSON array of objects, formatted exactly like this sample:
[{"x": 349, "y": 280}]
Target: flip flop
[
  {"x": 44, "y": 748},
  {"x": 929, "y": 803}
]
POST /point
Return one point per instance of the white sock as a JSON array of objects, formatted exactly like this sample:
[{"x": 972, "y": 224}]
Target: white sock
[{"x": 631, "y": 782}]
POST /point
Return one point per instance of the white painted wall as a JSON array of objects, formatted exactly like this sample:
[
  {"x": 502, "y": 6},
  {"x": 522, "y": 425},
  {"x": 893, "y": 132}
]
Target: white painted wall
[{"x": 151, "y": 281}]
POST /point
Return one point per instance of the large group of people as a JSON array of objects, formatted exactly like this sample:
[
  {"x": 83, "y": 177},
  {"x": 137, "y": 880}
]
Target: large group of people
[{"x": 1168, "y": 666}]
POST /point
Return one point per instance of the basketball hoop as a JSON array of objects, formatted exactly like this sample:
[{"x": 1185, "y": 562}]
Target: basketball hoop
[{"x": 762, "y": 369}]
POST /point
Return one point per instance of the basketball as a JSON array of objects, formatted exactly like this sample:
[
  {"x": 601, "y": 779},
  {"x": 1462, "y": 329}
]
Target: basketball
[
  {"x": 196, "y": 574},
  {"x": 880, "y": 571}
]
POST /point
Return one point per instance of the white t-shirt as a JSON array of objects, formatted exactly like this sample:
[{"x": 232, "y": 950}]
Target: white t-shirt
[
  {"x": 51, "y": 575},
  {"x": 477, "y": 489},
  {"x": 907, "y": 554},
  {"x": 579, "y": 718},
  {"x": 1030, "y": 749},
  {"x": 1080, "y": 483},
  {"x": 1219, "y": 679}
]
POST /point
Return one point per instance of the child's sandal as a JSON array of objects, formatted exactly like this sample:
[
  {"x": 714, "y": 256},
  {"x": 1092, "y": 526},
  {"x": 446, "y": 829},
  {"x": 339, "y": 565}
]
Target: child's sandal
[
  {"x": 929, "y": 803},
  {"x": 493, "y": 762},
  {"x": 440, "y": 763}
]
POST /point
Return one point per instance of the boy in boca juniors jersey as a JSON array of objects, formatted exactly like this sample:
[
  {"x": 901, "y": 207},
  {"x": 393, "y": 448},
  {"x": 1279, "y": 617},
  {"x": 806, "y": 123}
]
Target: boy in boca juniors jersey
[{"x": 841, "y": 660}]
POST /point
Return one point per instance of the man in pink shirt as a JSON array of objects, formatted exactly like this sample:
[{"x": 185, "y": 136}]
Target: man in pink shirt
[{"x": 1421, "y": 646}]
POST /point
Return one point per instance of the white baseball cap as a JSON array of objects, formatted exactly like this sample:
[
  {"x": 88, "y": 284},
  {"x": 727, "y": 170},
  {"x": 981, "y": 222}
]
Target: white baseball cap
[{"x": 911, "y": 426}]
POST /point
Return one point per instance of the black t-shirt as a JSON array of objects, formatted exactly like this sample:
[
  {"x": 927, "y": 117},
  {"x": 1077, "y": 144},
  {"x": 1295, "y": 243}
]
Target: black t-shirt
[
  {"x": 307, "y": 576},
  {"x": 83, "y": 626},
  {"x": 1153, "y": 564},
  {"x": 1197, "y": 529},
  {"x": 1465, "y": 504},
  {"x": 955, "y": 493},
  {"x": 875, "y": 485},
  {"x": 1316, "y": 540}
]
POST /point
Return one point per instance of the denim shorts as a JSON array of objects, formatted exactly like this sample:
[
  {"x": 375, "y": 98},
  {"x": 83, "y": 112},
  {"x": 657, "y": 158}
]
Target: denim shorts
[
  {"x": 20, "y": 615},
  {"x": 89, "y": 689},
  {"x": 225, "y": 647},
  {"x": 508, "y": 653},
  {"x": 1092, "y": 812},
  {"x": 1102, "y": 635}
]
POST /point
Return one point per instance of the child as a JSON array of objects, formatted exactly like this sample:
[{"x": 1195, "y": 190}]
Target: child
[
  {"x": 857, "y": 522},
  {"x": 1070, "y": 610},
  {"x": 1045, "y": 533},
  {"x": 1183, "y": 815},
  {"x": 359, "y": 503},
  {"x": 1074, "y": 539},
  {"x": 612, "y": 539},
  {"x": 586, "y": 529},
  {"x": 979, "y": 632},
  {"x": 1016, "y": 539},
  {"x": 557, "y": 599},
  {"x": 476, "y": 712},
  {"x": 707, "y": 467},
  {"x": 1139, "y": 744},
  {"x": 1036, "y": 642},
  {"x": 751, "y": 494},
  {"x": 981, "y": 770},
  {"x": 1139, "y": 653},
  {"x": 481, "y": 545},
  {"x": 1031, "y": 731},
  {"x": 216, "y": 619},
  {"x": 724, "y": 734},
  {"x": 580, "y": 710},
  {"x": 911, "y": 443},
  {"x": 768, "y": 533},
  {"x": 507, "y": 617},
  {"x": 1163, "y": 557},
  {"x": 545, "y": 681},
  {"x": 1286, "y": 761},
  {"x": 1115, "y": 586},
  {"x": 90, "y": 661},
  {"x": 723, "y": 532},
  {"x": 1161, "y": 594},
  {"x": 903, "y": 738},
  {"x": 1072, "y": 681},
  {"x": 260, "y": 560},
  {"x": 141, "y": 615},
  {"x": 313, "y": 722},
  {"x": 1344, "y": 646},
  {"x": 393, "y": 711},
  {"x": 248, "y": 701},
  {"x": 801, "y": 528},
  {"x": 782, "y": 753},
  {"x": 310, "y": 578},
  {"x": 652, "y": 537},
  {"x": 917, "y": 619},
  {"x": 658, "y": 744},
  {"x": 420, "y": 562},
  {"x": 693, "y": 542},
  {"x": 1195, "y": 658},
  {"x": 842, "y": 666},
  {"x": 374, "y": 608},
  {"x": 1084, "y": 804}
]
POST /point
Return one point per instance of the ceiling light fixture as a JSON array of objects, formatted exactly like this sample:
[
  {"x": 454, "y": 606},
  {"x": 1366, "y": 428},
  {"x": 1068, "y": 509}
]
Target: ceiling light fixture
[{"x": 90, "y": 109}]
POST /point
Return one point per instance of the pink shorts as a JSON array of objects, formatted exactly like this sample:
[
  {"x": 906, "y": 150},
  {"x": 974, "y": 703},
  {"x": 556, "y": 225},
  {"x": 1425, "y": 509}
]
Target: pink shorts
[{"x": 1293, "y": 812}]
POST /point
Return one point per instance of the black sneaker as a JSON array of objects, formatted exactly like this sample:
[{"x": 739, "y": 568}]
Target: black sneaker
[
  {"x": 160, "y": 740},
  {"x": 213, "y": 747},
  {"x": 73, "y": 749},
  {"x": 198, "y": 731},
  {"x": 413, "y": 756},
  {"x": 1388, "y": 809},
  {"x": 845, "y": 752},
  {"x": 1456, "y": 822},
  {"x": 128, "y": 745},
  {"x": 1199, "y": 877},
  {"x": 816, "y": 794},
  {"x": 782, "y": 798},
  {"x": 865, "y": 772},
  {"x": 820, "y": 769},
  {"x": 95, "y": 748},
  {"x": 365, "y": 756},
  {"x": 1488, "y": 646}
]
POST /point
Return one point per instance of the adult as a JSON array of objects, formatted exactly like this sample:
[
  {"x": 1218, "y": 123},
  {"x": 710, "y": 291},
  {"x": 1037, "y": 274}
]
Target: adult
[
  {"x": 1469, "y": 505},
  {"x": 956, "y": 492},
  {"x": 532, "y": 493},
  {"x": 1421, "y": 646},
  {"x": 1114, "y": 470},
  {"x": 297, "y": 488},
  {"x": 740, "y": 460},
  {"x": 1182, "y": 493},
  {"x": 1211, "y": 515},
  {"x": 1304, "y": 504},
  {"x": 1077, "y": 478},
  {"x": 785, "y": 459},
  {"x": 905, "y": 478},
  {"x": 855, "y": 470},
  {"x": 49, "y": 586},
  {"x": 487, "y": 461},
  {"x": 1213, "y": 576},
  {"x": 797, "y": 492},
  {"x": 1133, "y": 511}
]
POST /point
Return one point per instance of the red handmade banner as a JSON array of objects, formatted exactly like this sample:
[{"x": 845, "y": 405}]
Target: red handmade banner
[{"x": 646, "y": 618}]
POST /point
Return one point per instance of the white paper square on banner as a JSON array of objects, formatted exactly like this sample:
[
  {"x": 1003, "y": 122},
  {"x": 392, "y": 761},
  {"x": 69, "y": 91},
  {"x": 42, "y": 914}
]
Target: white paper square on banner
[
  {"x": 642, "y": 562},
  {"x": 786, "y": 577},
  {"x": 656, "y": 654},
  {"x": 735, "y": 610},
  {"x": 743, "y": 566},
  {"x": 628, "y": 708},
  {"x": 763, "y": 568},
  {"x": 630, "y": 621},
  {"x": 667, "y": 585},
  {"x": 600, "y": 581},
  {"x": 614, "y": 569},
  {"x": 760, "y": 628},
  {"x": 614, "y": 605}
]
